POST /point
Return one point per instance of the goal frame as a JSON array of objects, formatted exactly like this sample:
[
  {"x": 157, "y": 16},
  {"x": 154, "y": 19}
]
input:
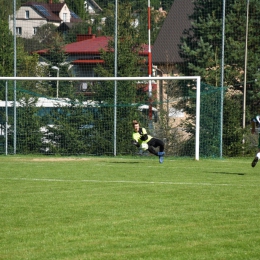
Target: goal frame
[{"x": 198, "y": 88}]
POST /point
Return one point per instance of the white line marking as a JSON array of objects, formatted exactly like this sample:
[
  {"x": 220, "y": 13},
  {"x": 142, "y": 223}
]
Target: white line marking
[{"x": 121, "y": 181}]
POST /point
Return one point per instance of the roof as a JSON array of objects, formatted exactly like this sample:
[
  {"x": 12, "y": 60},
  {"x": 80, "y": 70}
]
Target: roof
[
  {"x": 144, "y": 50},
  {"x": 50, "y": 11},
  {"x": 166, "y": 46},
  {"x": 91, "y": 46},
  {"x": 88, "y": 46},
  {"x": 88, "y": 61},
  {"x": 46, "y": 10}
]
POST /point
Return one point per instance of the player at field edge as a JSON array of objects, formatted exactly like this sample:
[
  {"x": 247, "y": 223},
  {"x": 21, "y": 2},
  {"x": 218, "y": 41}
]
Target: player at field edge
[
  {"x": 146, "y": 141},
  {"x": 255, "y": 127}
]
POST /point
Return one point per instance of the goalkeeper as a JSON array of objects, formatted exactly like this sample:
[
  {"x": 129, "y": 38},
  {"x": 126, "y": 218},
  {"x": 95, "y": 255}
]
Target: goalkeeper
[{"x": 147, "y": 142}]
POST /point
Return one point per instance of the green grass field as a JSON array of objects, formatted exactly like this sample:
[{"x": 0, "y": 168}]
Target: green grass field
[{"x": 128, "y": 208}]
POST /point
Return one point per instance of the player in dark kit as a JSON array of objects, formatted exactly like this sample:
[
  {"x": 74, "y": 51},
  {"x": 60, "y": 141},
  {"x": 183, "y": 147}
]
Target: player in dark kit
[
  {"x": 255, "y": 124},
  {"x": 147, "y": 142}
]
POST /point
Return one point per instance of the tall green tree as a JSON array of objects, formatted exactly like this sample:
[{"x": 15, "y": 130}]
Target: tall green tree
[
  {"x": 201, "y": 50},
  {"x": 26, "y": 64},
  {"x": 202, "y": 44},
  {"x": 6, "y": 50},
  {"x": 71, "y": 130},
  {"x": 7, "y": 8},
  {"x": 138, "y": 19},
  {"x": 57, "y": 65},
  {"x": 6, "y": 55},
  {"x": 77, "y": 7},
  {"x": 129, "y": 64},
  {"x": 156, "y": 20},
  {"x": 29, "y": 138},
  {"x": 140, "y": 4}
]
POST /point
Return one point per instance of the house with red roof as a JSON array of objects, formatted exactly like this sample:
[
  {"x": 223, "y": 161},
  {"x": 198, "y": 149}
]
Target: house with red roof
[
  {"x": 32, "y": 15},
  {"x": 84, "y": 54}
]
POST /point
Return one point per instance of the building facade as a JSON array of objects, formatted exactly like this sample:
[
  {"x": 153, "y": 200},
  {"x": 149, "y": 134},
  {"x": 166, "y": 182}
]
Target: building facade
[{"x": 33, "y": 15}]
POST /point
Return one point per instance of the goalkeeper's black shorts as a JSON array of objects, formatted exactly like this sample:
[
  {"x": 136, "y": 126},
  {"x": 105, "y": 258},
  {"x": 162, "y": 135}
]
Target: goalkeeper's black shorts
[{"x": 156, "y": 143}]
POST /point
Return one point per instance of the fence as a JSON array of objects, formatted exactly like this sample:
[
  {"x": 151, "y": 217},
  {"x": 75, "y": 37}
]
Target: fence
[
  {"x": 114, "y": 42},
  {"x": 186, "y": 118}
]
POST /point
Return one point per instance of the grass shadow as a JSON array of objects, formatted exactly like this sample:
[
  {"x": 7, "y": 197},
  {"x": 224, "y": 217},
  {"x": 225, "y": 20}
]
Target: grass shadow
[
  {"x": 125, "y": 162},
  {"x": 235, "y": 173}
]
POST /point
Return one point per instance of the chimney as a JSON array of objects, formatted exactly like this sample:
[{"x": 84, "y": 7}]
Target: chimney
[
  {"x": 89, "y": 30},
  {"x": 83, "y": 37}
]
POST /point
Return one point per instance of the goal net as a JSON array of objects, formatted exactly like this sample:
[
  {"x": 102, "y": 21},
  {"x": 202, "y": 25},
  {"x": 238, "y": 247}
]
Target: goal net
[{"x": 98, "y": 120}]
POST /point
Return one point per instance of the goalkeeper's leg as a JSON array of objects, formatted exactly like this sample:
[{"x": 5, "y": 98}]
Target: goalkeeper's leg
[
  {"x": 154, "y": 142},
  {"x": 151, "y": 150}
]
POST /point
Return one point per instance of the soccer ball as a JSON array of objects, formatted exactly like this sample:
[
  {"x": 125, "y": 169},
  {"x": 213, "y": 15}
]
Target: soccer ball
[{"x": 144, "y": 146}]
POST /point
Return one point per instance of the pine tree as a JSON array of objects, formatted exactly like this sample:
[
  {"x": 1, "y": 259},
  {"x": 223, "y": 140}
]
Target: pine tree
[
  {"x": 202, "y": 49},
  {"x": 6, "y": 55},
  {"x": 202, "y": 44}
]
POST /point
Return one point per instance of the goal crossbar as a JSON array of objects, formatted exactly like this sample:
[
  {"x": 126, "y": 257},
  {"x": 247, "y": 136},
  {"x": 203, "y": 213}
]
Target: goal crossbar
[{"x": 102, "y": 78}]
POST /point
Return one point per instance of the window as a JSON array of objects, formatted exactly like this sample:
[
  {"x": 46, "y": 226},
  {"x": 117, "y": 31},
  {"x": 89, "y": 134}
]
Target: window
[
  {"x": 27, "y": 14},
  {"x": 64, "y": 17},
  {"x": 35, "y": 30},
  {"x": 18, "y": 30}
]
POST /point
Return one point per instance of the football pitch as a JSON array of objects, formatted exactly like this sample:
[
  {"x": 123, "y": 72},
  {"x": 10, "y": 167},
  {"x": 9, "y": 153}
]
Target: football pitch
[{"x": 128, "y": 208}]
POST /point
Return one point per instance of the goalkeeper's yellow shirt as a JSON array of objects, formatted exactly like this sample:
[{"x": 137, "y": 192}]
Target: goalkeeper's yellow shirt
[{"x": 138, "y": 135}]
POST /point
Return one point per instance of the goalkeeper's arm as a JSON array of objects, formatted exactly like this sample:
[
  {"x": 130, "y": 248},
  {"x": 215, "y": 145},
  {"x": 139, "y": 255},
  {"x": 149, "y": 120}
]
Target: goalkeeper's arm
[
  {"x": 144, "y": 137},
  {"x": 136, "y": 143}
]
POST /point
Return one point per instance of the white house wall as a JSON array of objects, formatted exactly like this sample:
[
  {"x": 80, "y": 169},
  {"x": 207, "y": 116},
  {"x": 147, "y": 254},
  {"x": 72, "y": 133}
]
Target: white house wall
[
  {"x": 65, "y": 10},
  {"x": 27, "y": 25}
]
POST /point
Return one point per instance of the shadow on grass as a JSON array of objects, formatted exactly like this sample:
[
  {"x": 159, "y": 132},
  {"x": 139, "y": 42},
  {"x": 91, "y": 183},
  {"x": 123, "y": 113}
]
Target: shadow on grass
[
  {"x": 236, "y": 173},
  {"x": 125, "y": 162}
]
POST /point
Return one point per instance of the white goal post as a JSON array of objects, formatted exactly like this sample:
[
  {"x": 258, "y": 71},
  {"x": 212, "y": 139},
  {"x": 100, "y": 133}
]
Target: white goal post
[{"x": 198, "y": 89}]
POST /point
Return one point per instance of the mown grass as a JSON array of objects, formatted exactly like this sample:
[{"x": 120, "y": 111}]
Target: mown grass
[{"x": 128, "y": 208}]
